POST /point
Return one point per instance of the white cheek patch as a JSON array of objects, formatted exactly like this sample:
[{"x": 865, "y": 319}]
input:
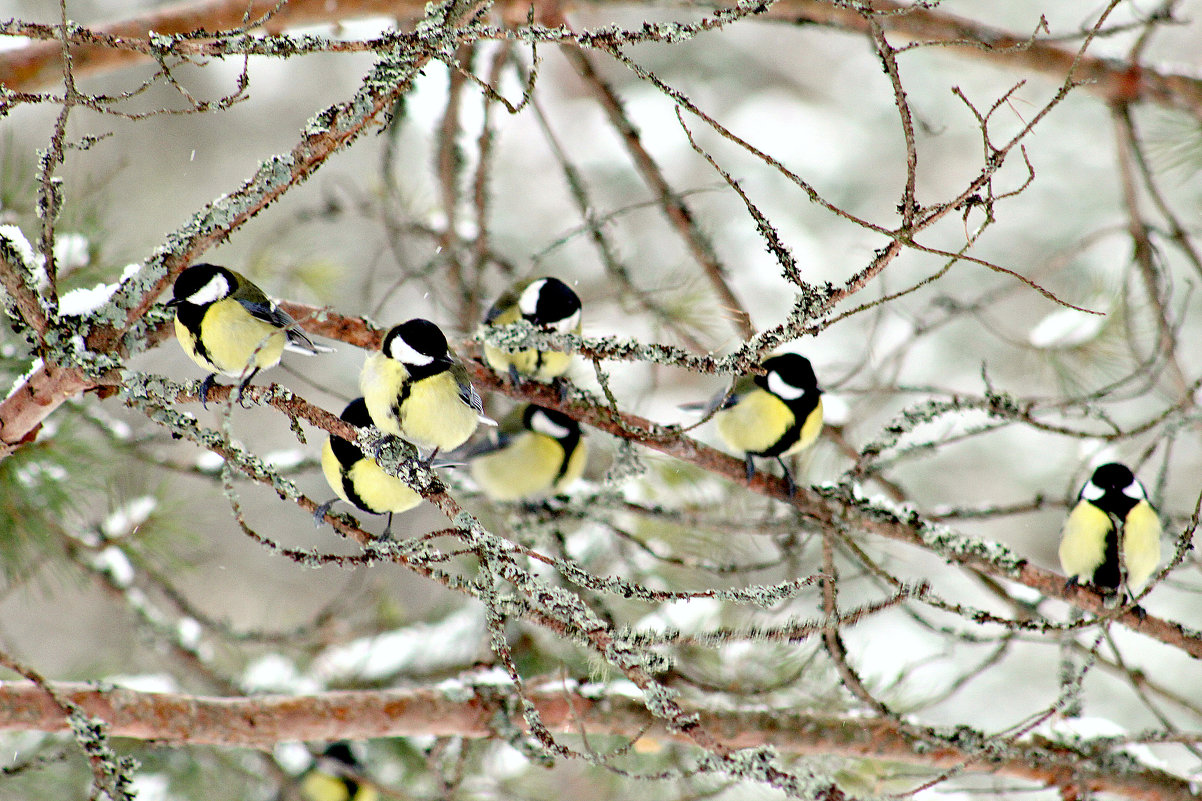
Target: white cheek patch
[
  {"x": 568, "y": 324},
  {"x": 399, "y": 349},
  {"x": 528, "y": 302},
  {"x": 544, "y": 425},
  {"x": 1091, "y": 491},
  {"x": 216, "y": 289},
  {"x": 782, "y": 388},
  {"x": 1134, "y": 490}
]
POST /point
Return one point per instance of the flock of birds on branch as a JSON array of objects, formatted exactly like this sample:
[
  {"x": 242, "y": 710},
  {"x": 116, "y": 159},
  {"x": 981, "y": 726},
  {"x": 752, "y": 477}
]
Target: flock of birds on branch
[{"x": 415, "y": 388}]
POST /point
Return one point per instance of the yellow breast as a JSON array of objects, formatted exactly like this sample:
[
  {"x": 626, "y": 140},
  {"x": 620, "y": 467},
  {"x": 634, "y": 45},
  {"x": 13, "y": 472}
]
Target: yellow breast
[
  {"x": 541, "y": 365},
  {"x": 810, "y": 430},
  {"x": 432, "y": 416},
  {"x": 1141, "y": 543},
  {"x": 1083, "y": 541},
  {"x": 755, "y": 423},
  {"x": 234, "y": 341},
  {"x": 318, "y": 786},
  {"x": 377, "y": 491},
  {"x": 380, "y": 382},
  {"x": 525, "y": 468}
]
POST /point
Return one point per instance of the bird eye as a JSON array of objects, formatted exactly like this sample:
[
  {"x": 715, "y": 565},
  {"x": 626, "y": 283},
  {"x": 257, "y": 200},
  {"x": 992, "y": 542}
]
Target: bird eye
[
  {"x": 1091, "y": 491},
  {"x": 1134, "y": 490}
]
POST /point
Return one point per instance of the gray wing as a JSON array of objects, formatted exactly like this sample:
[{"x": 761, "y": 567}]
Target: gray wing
[{"x": 270, "y": 313}]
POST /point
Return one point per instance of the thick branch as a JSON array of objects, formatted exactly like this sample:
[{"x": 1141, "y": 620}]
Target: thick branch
[{"x": 467, "y": 710}]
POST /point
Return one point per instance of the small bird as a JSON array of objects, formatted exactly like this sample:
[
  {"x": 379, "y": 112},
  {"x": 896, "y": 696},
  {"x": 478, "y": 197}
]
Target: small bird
[
  {"x": 416, "y": 389},
  {"x": 336, "y": 775},
  {"x": 536, "y": 452},
  {"x": 547, "y": 303},
  {"x": 1111, "y": 531},
  {"x": 227, "y": 325},
  {"x": 357, "y": 479},
  {"x": 776, "y": 414}
]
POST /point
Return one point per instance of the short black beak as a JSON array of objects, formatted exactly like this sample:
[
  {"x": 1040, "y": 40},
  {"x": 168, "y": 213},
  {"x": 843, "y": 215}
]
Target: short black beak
[{"x": 174, "y": 302}]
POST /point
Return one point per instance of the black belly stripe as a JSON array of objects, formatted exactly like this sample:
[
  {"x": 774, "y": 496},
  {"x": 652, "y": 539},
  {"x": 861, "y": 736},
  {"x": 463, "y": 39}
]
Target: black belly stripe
[
  {"x": 538, "y": 362},
  {"x": 400, "y": 400},
  {"x": 801, "y": 413},
  {"x": 191, "y": 317},
  {"x": 1107, "y": 574},
  {"x": 569, "y": 447},
  {"x": 349, "y": 488}
]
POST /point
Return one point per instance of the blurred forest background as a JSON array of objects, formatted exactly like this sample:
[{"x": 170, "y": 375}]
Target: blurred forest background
[{"x": 977, "y": 219}]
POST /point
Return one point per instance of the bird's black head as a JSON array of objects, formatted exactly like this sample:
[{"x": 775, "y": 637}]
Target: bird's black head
[
  {"x": 341, "y": 750},
  {"x": 346, "y": 451},
  {"x": 790, "y": 377},
  {"x": 356, "y": 414},
  {"x": 553, "y": 424},
  {"x": 550, "y": 302},
  {"x": 418, "y": 344},
  {"x": 1113, "y": 488},
  {"x": 202, "y": 285}
]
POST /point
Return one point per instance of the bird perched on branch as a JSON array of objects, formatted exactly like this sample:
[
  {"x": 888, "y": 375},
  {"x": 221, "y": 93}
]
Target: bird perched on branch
[
  {"x": 337, "y": 775},
  {"x": 546, "y": 303},
  {"x": 535, "y": 452},
  {"x": 1111, "y": 538},
  {"x": 774, "y": 415},
  {"x": 416, "y": 389},
  {"x": 357, "y": 479},
  {"x": 227, "y": 325}
]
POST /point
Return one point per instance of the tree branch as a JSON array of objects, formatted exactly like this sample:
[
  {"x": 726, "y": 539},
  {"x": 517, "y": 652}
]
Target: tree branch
[{"x": 466, "y": 709}]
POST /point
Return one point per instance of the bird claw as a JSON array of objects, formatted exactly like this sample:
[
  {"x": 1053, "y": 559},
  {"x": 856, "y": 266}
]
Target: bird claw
[
  {"x": 749, "y": 461},
  {"x": 205, "y": 386}
]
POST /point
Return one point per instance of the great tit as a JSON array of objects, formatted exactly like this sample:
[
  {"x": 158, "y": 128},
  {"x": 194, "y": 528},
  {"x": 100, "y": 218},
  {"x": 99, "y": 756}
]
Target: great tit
[
  {"x": 227, "y": 325},
  {"x": 535, "y": 452},
  {"x": 336, "y": 775},
  {"x": 776, "y": 414},
  {"x": 357, "y": 479},
  {"x": 416, "y": 389},
  {"x": 1112, "y": 515},
  {"x": 546, "y": 303}
]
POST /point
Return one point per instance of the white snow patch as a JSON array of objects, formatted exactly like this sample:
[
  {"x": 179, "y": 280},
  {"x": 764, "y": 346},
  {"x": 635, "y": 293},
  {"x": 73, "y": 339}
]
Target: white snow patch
[
  {"x": 274, "y": 673},
  {"x": 127, "y": 518},
  {"x": 835, "y": 409},
  {"x": 294, "y": 757},
  {"x": 34, "y": 366},
  {"x": 113, "y": 561},
  {"x": 71, "y": 250},
  {"x": 285, "y": 459},
  {"x": 151, "y": 787},
  {"x": 78, "y": 302},
  {"x": 1066, "y": 328},
  {"x": 17, "y": 239},
  {"x": 145, "y": 682},
  {"x": 209, "y": 462},
  {"x": 687, "y": 616},
  {"x": 458, "y": 638},
  {"x": 504, "y": 762},
  {"x": 188, "y": 630},
  {"x": 1072, "y": 731}
]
